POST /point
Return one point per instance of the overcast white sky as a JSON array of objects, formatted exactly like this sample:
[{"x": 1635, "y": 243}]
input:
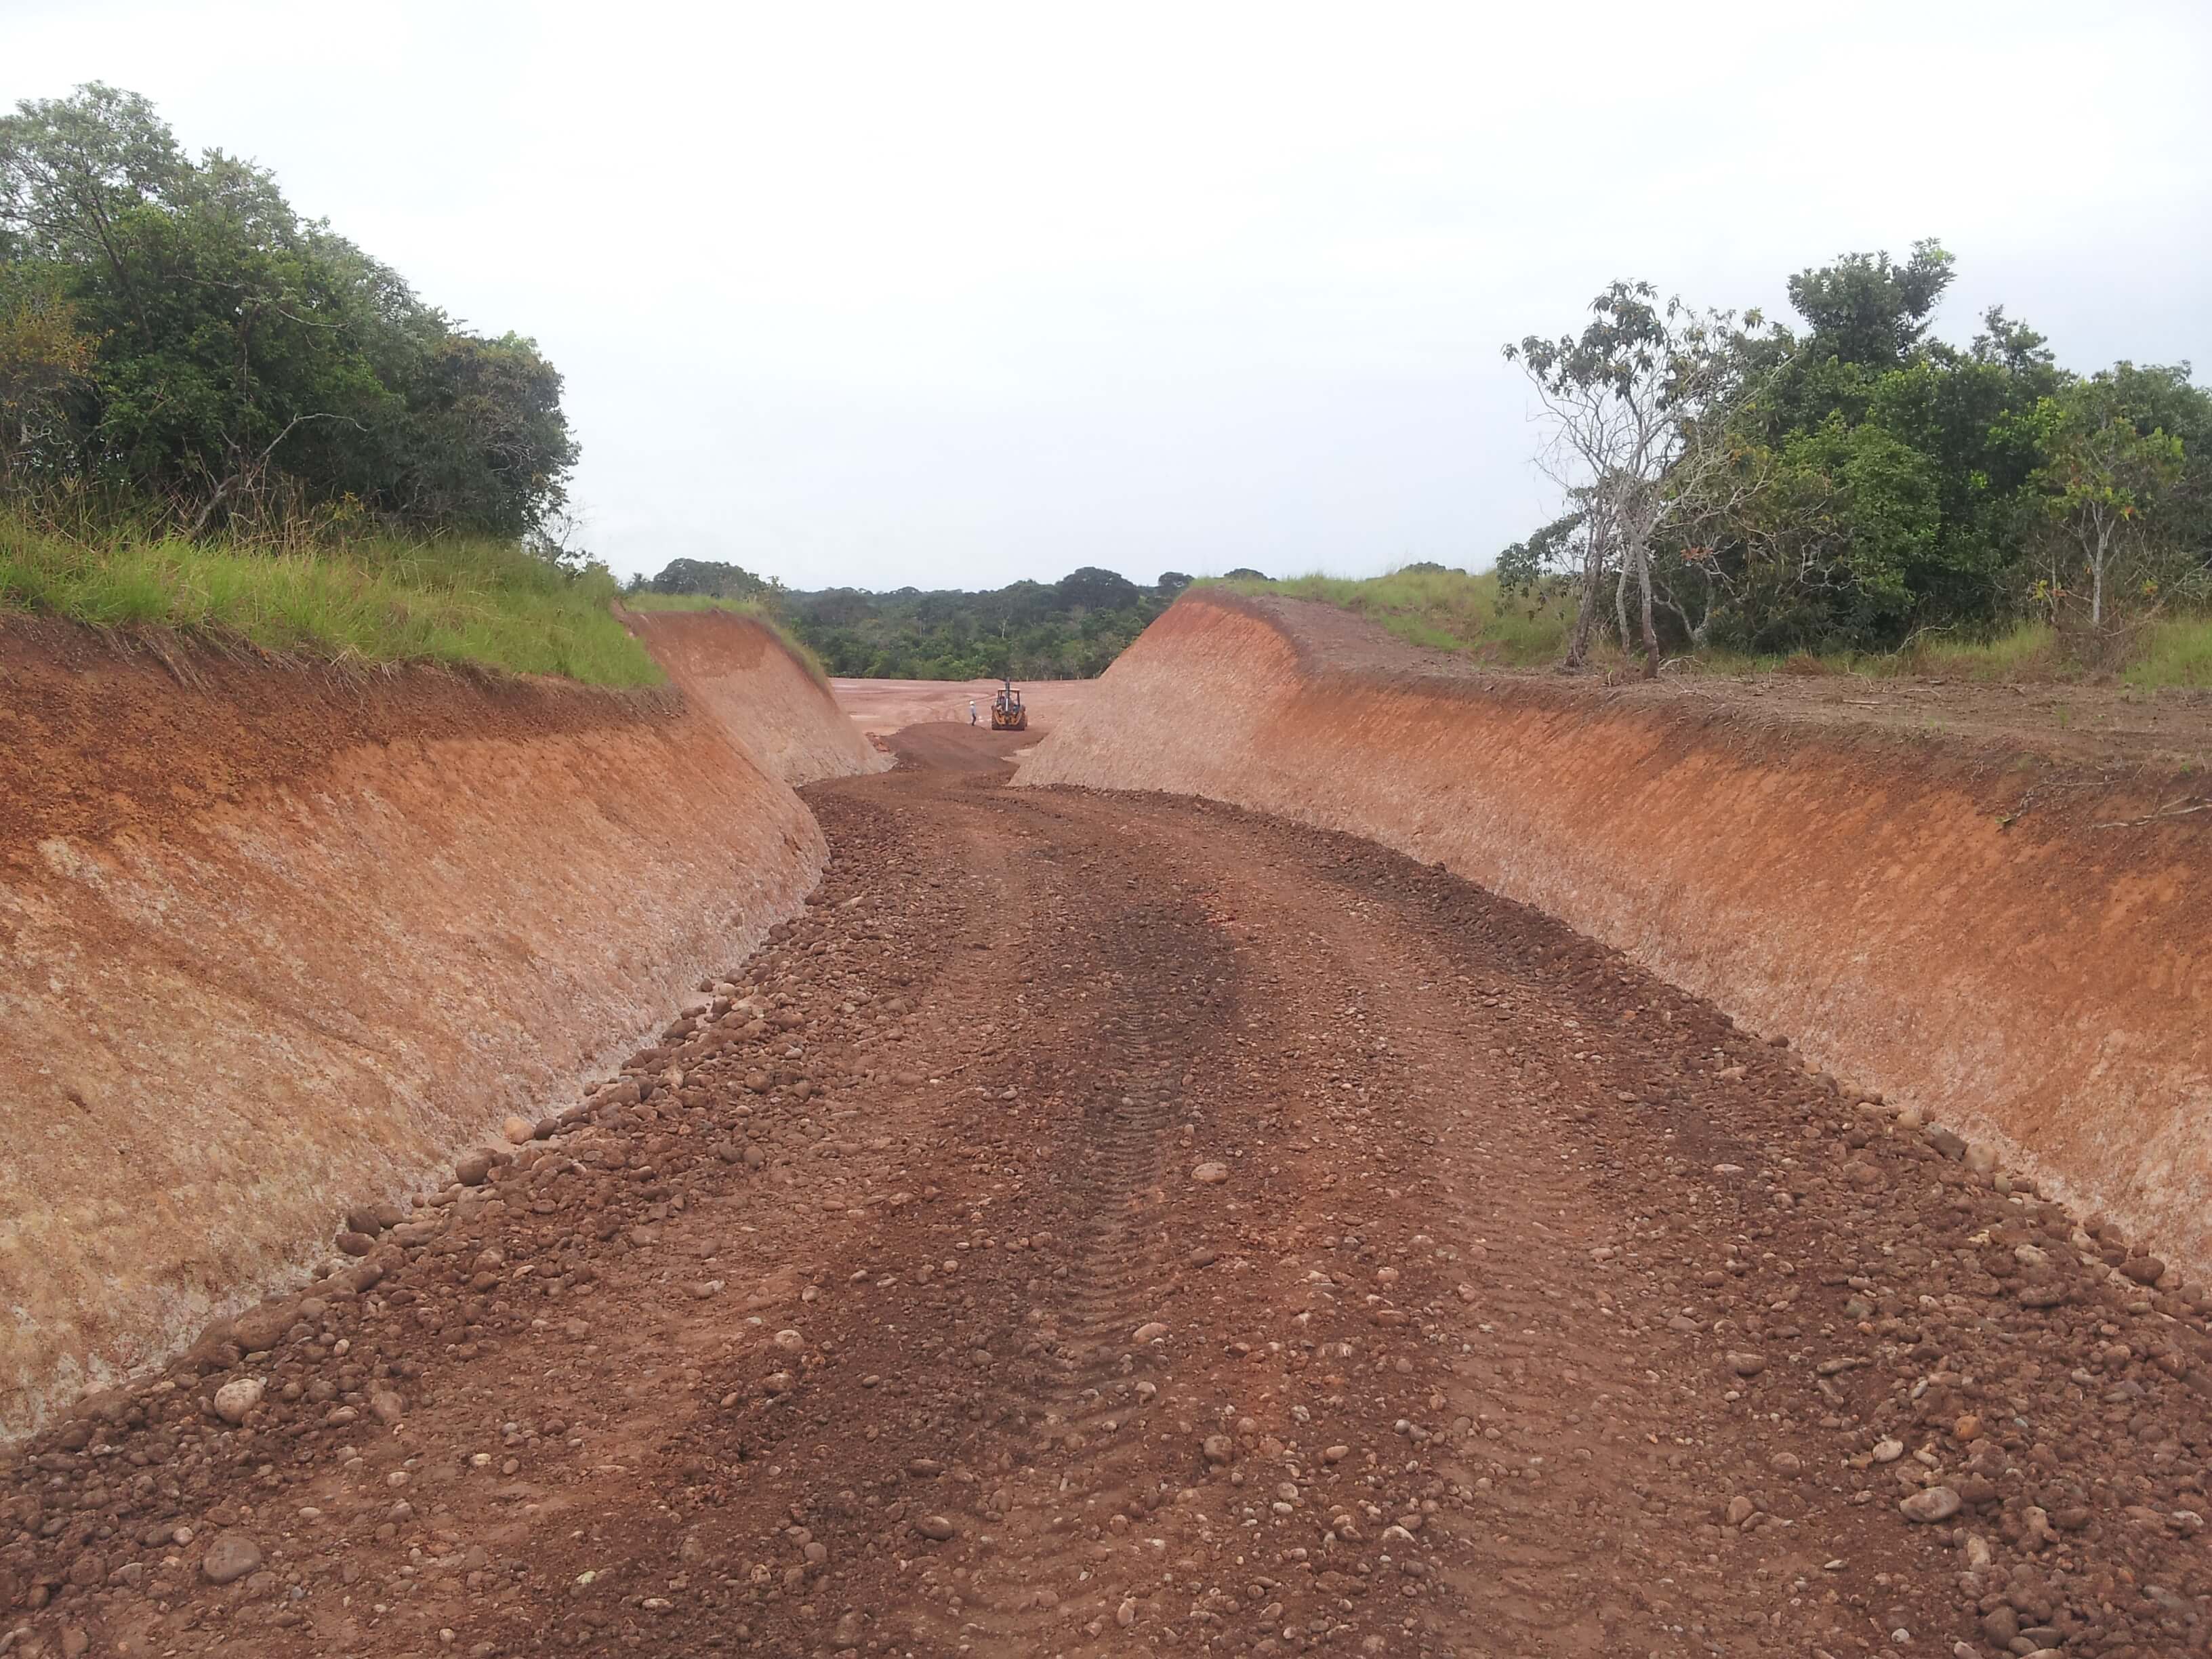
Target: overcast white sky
[{"x": 952, "y": 294}]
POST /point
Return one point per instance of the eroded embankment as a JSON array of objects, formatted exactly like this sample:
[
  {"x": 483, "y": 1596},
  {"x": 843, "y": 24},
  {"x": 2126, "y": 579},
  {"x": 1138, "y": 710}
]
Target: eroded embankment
[
  {"x": 1965, "y": 929},
  {"x": 279, "y": 940},
  {"x": 740, "y": 674}
]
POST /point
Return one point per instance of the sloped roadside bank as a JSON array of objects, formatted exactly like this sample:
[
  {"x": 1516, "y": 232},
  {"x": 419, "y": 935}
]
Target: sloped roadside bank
[
  {"x": 1948, "y": 923},
  {"x": 280, "y": 940}
]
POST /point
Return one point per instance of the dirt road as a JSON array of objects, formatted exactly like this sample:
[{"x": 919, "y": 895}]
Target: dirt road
[
  {"x": 881, "y": 707},
  {"x": 1110, "y": 1225}
]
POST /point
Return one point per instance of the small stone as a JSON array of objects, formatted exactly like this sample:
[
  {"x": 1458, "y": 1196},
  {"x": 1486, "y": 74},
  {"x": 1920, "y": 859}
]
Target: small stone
[
  {"x": 234, "y": 1398},
  {"x": 230, "y": 1557},
  {"x": 259, "y": 1329},
  {"x": 1150, "y": 1332},
  {"x": 386, "y": 1406},
  {"x": 1740, "y": 1510},
  {"x": 1936, "y": 1503},
  {"x": 1784, "y": 1463},
  {"x": 474, "y": 1169},
  {"x": 1219, "y": 1449},
  {"x": 1746, "y": 1364},
  {"x": 936, "y": 1528},
  {"x": 354, "y": 1243},
  {"x": 1888, "y": 1451},
  {"x": 2143, "y": 1269},
  {"x": 517, "y": 1131},
  {"x": 1210, "y": 1174}
]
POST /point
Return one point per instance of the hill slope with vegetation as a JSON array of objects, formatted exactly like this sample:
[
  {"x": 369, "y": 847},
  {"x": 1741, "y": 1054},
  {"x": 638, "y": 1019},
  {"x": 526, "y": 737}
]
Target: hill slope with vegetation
[{"x": 218, "y": 416}]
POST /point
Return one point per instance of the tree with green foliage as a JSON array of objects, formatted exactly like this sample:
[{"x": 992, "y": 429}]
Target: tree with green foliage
[
  {"x": 1638, "y": 406},
  {"x": 1858, "y": 480},
  {"x": 1070, "y": 628},
  {"x": 708, "y": 579},
  {"x": 171, "y": 330},
  {"x": 2102, "y": 486}
]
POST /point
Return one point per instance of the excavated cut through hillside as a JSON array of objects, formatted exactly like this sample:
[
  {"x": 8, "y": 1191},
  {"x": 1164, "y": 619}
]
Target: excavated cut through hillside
[
  {"x": 1104, "y": 1225},
  {"x": 282, "y": 940}
]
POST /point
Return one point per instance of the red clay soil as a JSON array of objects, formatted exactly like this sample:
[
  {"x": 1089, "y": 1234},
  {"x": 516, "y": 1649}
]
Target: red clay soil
[
  {"x": 746, "y": 678},
  {"x": 281, "y": 940},
  {"x": 104, "y": 734},
  {"x": 2020, "y": 946},
  {"x": 1107, "y": 1225}
]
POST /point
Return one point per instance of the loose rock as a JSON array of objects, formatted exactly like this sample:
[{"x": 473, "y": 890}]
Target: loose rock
[{"x": 230, "y": 1557}]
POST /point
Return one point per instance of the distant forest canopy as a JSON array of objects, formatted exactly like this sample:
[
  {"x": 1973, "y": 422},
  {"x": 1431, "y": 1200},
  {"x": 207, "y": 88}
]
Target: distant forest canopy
[
  {"x": 1067, "y": 629},
  {"x": 181, "y": 350},
  {"x": 1853, "y": 482}
]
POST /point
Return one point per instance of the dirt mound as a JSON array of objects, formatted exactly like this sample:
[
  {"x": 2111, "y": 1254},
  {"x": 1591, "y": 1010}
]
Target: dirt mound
[
  {"x": 279, "y": 939},
  {"x": 743, "y": 677},
  {"x": 2022, "y": 947}
]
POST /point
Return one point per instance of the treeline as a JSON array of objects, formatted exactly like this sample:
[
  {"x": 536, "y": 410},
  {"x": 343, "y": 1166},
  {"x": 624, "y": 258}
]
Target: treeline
[
  {"x": 177, "y": 343},
  {"x": 1852, "y": 482},
  {"x": 1070, "y": 628}
]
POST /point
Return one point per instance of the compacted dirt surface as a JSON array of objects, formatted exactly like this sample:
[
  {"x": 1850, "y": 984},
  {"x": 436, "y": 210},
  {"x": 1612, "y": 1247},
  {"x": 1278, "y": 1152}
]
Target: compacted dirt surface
[
  {"x": 1118, "y": 1226},
  {"x": 877, "y": 707}
]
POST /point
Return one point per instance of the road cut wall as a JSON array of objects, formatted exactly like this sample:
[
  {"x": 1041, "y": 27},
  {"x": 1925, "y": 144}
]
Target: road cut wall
[
  {"x": 740, "y": 675},
  {"x": 1963, "y": 929},
  {"x": 277, "y": 941}
]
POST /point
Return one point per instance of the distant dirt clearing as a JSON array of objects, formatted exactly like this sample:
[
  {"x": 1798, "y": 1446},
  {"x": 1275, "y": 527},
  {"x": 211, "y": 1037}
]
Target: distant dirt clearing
[{"x": 885, "y": 705}]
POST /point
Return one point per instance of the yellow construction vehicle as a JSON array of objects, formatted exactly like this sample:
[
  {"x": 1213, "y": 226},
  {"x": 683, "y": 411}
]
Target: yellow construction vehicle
[{"x": 1007, "y": 714}]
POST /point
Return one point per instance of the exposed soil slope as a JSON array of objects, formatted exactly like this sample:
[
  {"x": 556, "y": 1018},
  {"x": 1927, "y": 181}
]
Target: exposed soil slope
[
  {"x": 1111, "y": 1225},
  {"x": 2021, "y": 946},
  {"x": 279, "y": 940},
  {"x": 743, "y": 677}
]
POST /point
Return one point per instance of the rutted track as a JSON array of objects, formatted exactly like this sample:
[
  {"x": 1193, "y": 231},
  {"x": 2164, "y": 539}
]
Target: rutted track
[{"x": 1538, "y": 1312}]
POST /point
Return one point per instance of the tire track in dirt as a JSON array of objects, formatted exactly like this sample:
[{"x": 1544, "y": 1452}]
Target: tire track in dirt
[{"x": 1072, "y": 1435}]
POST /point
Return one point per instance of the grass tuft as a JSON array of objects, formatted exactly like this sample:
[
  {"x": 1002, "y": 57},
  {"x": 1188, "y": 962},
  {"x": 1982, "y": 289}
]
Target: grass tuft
[
  {"x": 453, "y": 601},
  {"x": 1438, "y": 610},
  {"x": 2175, "y": 651},
  {"x": 760, "y": 610},
  {"x": 646, "y": 600}
]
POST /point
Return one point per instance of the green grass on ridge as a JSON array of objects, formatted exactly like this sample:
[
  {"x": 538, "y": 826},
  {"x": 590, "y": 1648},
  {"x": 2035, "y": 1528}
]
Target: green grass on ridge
[{"x": 452, "y": 600}]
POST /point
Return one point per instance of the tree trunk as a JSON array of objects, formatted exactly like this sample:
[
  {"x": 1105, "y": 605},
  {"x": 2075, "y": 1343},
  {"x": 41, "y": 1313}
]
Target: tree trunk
[
  {"x": 1651, "y": 633},
  {"x": 2097, "y": 579},
  {"x": 1578, "y": 637}
]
